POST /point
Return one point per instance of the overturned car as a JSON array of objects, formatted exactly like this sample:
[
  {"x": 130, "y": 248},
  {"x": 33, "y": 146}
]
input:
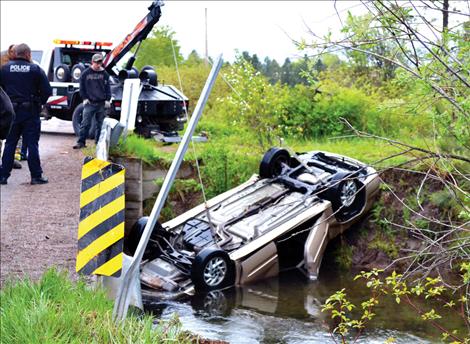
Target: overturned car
[{"x": 278, "y": 220}]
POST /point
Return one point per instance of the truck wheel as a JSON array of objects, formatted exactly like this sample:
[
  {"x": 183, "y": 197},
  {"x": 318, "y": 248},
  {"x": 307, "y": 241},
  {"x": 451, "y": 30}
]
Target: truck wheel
[
  {"x": 77, "y": 71},
  {"x": 77, "y": 120},
  {"x": 347, "y": 195},
  {"x": 62, "y": 73},
  {"x": 212, "y": 269},
  {"x": 273, "y": 161}
]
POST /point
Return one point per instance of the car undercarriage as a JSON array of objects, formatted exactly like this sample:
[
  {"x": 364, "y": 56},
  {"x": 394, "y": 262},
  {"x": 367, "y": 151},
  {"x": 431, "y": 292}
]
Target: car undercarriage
[{"x": 280, "y": 219}]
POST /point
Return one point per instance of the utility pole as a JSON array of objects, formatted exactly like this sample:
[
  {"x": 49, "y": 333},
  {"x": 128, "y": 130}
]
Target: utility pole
[{"x": 206, "y": 60}]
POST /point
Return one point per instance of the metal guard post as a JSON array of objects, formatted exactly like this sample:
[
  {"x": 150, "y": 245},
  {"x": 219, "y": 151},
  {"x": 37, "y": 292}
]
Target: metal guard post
[{"x": 131, "y": 276}]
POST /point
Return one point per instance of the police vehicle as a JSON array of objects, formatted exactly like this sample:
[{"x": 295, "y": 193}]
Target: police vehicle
[{"x": 161, "y": 109}]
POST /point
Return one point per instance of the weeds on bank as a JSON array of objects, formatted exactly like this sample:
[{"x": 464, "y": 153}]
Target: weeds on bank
[{"x": 54, "y": 310}]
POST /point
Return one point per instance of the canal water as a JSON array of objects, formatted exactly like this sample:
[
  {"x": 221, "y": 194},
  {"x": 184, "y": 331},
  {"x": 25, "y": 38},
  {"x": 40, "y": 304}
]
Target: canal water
[{"x": 287, "y": 309}]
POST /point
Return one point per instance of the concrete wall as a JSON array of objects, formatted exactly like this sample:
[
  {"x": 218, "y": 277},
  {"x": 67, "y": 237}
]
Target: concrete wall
[{"x": 140, "y": 185}]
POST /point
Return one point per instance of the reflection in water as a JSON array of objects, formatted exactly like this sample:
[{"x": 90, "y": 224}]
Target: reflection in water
[{"x": 285, "y": 309}]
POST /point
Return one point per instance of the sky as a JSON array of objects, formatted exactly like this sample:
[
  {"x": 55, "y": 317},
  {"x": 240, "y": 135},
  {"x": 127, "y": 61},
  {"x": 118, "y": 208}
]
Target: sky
[{"x": 261, "y": 27}]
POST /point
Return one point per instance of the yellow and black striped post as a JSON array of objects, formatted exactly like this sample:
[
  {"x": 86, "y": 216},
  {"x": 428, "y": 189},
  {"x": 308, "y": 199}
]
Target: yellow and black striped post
[{"x": 101, "y": 227}]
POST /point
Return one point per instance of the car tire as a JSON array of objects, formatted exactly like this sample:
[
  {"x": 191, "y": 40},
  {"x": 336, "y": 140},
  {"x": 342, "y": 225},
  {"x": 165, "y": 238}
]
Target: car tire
[
  {"x": 347, "y": 195},
  {"x": 66, "y": 73},
  {"x": 77, "y": 120},
  {"x": 212, "y": 269},
  {"x": 272, "y": 162},
  {"x": 214, "y": 303},
  {"x": 131, "y": 241}
]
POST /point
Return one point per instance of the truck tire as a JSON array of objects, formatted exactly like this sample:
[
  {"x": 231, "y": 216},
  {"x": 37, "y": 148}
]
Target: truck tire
[
  {"x": 77, "y": 120},
  {"x": 62, "y": 73},
  {"x": 77, "y": 71}
]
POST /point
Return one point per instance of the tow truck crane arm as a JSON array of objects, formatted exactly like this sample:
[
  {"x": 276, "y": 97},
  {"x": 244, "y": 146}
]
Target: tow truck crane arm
[{"x": 139, "y": 33}]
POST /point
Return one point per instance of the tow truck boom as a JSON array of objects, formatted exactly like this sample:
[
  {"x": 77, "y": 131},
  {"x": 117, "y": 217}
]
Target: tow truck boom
[{"x": 140, "y": 32}]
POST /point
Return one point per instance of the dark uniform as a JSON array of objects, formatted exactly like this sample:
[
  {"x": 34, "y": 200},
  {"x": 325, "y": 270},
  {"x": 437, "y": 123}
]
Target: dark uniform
[{"x": 28, "y": 88}]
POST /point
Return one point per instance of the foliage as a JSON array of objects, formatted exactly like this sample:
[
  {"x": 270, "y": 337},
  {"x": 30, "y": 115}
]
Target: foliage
[
  {"x": 54, "y": 310},
  {"x": 351, "y": 320},
  {"x": 137, "y": 147},
  {"x": 183, "y": 191},
  {"x": 256, "y": 104},
  {"x": 157, "y": 49},
  {"x": 389, "y": 39},
  {"x": 193, "y": 78},
  {"x": 363, "y": 31},
  {"x": 224, "y": 168}
]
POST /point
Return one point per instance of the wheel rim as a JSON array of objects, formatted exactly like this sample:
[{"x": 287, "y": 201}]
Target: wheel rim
[
  {"x": 214, "y": 272},
  {"x": 348, "y": 193}
]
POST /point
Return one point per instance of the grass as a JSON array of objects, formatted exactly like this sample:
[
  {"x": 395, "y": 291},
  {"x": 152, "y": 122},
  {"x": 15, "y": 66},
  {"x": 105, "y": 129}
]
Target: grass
[
  {"x": 230, "y": 159},
  {"x": 366, "y": 150},
  {"x": 54, "y": 310}
]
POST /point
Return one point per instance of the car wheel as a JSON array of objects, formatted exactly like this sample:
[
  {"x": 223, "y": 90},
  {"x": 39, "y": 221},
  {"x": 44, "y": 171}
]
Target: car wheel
[
  {"x": 214, "y": 303},
  {"x": 212, "y": 269},
  {"x": 347, "y": 195},
  {"x": 77, "y": 120},
  {"x": 62, "y": 73},
  {"x": 273, "y": 161},
  {"x": 131, "y": 241}
]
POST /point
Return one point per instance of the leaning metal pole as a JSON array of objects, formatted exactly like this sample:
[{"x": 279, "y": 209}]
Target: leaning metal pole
[{"x": 131, "y": 275}]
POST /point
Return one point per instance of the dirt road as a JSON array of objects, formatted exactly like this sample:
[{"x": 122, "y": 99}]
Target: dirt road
[{"x": 38, "y": 223}]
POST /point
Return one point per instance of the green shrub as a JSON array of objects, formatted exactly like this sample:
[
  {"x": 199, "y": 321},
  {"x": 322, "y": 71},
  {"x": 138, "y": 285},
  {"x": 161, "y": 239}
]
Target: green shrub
[{"x": 225, "y": 167}]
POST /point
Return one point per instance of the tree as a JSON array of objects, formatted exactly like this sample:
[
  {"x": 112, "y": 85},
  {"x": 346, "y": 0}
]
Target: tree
[
  {"x": 157, "y": 49},
  {"x": 433, "y": 70},
  {"x": 193, "y": 59},
  {"x": 272, "y": 70},
  {"x": 287, "y": 74}
]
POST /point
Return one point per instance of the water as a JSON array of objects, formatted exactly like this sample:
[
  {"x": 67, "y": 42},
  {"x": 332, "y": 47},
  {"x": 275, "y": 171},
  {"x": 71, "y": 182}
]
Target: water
[{"x": 287, "y": 309}]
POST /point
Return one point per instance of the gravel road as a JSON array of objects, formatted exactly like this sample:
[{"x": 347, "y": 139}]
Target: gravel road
[{"x": 38, "y": 224}]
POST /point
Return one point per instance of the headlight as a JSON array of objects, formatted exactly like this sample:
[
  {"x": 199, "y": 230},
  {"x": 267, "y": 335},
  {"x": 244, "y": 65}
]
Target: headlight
[
  {"x": 76, "y": 73},
  {"x": 139, "y": 119},
  {"x": 60, "y": 73}
]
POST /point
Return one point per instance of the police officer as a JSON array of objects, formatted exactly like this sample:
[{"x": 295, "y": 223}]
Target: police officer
[
  {"x": 95, "y": 91},
  {"x": 28, "y": 88}
]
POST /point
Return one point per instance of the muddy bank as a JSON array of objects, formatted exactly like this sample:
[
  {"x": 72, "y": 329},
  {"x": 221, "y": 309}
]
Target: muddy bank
[{"x": 385, "y": 236}]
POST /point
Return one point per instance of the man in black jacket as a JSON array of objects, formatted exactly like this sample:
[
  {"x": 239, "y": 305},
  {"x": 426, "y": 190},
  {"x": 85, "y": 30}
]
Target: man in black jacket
[
  {"x": 28, "y": 88},
  {"x": 96, "y": 94}
]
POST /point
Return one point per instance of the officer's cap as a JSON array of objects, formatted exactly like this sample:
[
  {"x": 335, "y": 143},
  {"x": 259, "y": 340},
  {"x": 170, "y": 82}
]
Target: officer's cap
[{"x": 97, "y": 58}]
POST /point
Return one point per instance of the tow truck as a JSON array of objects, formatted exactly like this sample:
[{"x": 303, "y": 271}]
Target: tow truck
[{"x": 161, "y": 109}]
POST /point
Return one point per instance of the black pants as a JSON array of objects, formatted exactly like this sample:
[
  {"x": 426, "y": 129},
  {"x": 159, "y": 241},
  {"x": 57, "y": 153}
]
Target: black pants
[{"x": 30, "y": 129}]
